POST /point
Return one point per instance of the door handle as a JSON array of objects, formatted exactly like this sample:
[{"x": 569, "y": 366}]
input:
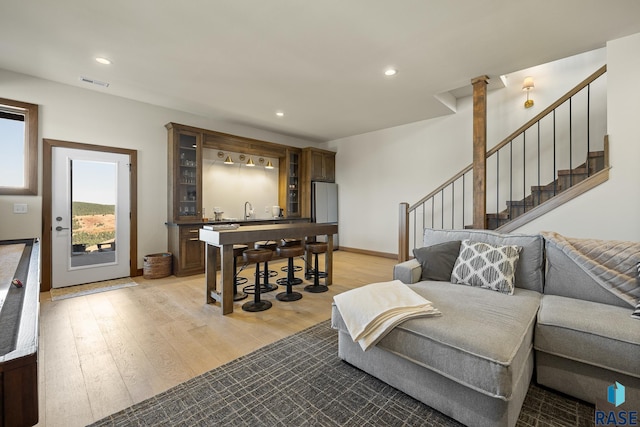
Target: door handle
[{"x": 59, "y": 228}]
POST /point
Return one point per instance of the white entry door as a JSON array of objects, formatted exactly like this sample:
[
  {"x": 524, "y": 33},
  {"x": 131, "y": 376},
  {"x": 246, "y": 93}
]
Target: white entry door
[{"x": 90, "y": 211}]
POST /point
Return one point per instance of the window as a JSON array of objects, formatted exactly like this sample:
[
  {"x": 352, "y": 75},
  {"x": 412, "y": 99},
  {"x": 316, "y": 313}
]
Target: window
[{"x": 19, "y": 147}]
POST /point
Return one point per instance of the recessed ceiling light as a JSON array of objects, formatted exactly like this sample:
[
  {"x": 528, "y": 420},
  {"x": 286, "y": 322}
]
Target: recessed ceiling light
[
  {"x": 279, "y": 114},
  {"x": 390, "y": 72},
  {"x": 103, "y": 61}
]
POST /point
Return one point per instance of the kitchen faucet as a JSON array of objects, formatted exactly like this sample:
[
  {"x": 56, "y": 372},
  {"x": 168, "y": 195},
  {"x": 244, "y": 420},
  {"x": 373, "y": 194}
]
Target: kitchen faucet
[{"x": 247, "y": 216}]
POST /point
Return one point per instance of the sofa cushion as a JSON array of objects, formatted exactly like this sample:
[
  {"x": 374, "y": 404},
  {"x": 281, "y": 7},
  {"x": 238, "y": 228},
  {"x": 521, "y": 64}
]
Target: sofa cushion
[
  {"x": 597, "y": 334},
  {"x": 437, "y": 260},
  {"x": 530, "y": 266},
  {"x": 487, "y": 266},
  {"x": 482, "y": 340}
]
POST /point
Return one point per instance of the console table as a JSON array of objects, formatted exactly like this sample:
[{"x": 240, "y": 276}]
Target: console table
[{"x": 225, "y": 239}]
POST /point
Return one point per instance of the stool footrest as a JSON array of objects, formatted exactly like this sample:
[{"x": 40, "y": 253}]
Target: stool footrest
[
  {"x": 272, "y": 273},
  {"x": 250, "y": 289},
  {"x": 239, "y": 296},
  {"x": 284, "y": 281}
]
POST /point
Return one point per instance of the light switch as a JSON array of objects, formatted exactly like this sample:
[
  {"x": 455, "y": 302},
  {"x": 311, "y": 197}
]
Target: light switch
[{"x": 20, "y": 208}]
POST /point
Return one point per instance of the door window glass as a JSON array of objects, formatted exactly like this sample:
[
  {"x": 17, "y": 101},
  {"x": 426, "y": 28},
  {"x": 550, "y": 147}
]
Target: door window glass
[{"x": 93, "y": 212}]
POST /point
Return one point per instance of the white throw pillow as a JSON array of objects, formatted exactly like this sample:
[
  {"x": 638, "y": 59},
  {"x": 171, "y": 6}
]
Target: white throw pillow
[{"x": 487, "y": 266}]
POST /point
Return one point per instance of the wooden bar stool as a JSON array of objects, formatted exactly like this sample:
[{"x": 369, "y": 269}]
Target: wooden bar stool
[
  {"x": 316, "y": 248},
  {"x": 257, "y": 256},
  {"x": 290, "y": 242},
  {"x": 286, "y": 243},
  {"x": 237, "y": 280},
  {"x": 310, "y": 272},
  {"x": 272, "y": 246},
  {"x": 289, "y": 252}
]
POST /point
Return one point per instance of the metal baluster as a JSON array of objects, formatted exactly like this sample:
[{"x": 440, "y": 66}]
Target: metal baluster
[
  {"x": 463, "y": 200},
  {"x": 497, "y": 184},
  {"x": 588, "y": 127},
  {"x": 511, "y": 180},
  {"x": 432, "y": 210},
  {"x": 570, "y": 145},
  {"x": 442, "y": 209},
  {"x": 414, "y": 229},
  {"x": 539, "y": 192},
  {"x": 524, "y": 170},
  {"x": 453, "y": 203},
  {"x": 424, "y": 213},
  {"x": 555, "y": 166}
]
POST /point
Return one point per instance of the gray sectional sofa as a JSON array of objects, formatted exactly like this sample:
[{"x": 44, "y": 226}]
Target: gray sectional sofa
[{"x": 475, "y": 362}]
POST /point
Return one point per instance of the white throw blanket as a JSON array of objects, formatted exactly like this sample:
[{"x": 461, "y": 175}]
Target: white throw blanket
[{"x": 371, "y": 311}]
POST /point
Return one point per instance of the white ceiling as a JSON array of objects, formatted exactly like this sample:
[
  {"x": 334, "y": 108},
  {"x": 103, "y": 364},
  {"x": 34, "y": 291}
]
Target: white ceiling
[{"x": 321, "y": 62}]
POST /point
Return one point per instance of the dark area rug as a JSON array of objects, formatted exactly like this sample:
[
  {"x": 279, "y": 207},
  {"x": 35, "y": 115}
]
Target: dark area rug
[{"x": 300, "y": 381}]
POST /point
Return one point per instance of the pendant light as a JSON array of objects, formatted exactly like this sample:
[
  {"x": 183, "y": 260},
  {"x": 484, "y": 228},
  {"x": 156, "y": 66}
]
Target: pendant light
[{"x": 250, "y": 163}]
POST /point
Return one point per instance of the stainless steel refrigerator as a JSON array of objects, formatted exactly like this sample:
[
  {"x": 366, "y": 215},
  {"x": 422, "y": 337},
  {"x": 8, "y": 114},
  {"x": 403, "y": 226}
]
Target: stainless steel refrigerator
[{"x": 324, "y": 206}]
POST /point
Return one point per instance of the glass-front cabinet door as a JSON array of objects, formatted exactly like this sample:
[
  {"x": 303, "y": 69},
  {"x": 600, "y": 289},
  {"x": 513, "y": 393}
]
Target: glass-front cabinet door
[
  {"x": 185, "y": 162},
  {"x": 293, "y": 203},
  {"x": 289, "y": 184}
]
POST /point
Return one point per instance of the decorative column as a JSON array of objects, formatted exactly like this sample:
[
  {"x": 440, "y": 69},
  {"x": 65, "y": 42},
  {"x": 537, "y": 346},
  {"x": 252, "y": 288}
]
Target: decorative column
[{"x": 480, "y": 151}]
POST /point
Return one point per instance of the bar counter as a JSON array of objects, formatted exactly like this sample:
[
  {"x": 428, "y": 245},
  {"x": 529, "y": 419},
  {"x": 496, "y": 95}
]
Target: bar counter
[
  {"x": 243, "y": 222},
  {"x": 226, "y": 238}
]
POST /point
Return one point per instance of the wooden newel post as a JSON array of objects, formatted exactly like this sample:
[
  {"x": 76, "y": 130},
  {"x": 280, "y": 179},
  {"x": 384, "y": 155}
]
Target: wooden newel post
[
  {"x": 403, "y": 233},
  {"x": 480, "y": 151}
]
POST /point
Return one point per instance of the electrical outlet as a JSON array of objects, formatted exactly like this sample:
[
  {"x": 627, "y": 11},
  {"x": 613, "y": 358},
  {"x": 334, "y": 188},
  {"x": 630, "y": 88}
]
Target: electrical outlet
[
  {"x": 266, "y": 209},
  {"x": 20, "y": 208}
]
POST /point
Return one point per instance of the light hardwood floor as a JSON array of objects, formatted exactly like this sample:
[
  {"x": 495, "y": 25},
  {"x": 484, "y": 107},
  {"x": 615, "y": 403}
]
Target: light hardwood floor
[{"x": 101, "y": 353}]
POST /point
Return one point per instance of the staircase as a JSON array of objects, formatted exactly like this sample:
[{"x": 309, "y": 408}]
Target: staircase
[
  {"x": 560, "y": 133},
  {"x": 567, "y": 178}
]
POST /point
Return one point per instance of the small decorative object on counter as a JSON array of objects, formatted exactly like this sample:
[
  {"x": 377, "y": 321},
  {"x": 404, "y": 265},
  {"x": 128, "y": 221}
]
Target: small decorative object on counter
[{"x": 16, "y": 282}]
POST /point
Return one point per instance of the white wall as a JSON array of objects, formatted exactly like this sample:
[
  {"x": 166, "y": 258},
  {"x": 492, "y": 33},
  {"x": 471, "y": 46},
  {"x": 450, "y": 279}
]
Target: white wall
[
  {"x": 87, "y": 116},
  {"x": 378, "y": 170},
  {"x": 228, "y": 187}
]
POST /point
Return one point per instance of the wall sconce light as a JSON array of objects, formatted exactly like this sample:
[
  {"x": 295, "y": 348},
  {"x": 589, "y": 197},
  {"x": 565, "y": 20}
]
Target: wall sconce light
[
  {"x": 269, "y": 165},
  {"x": 250, "y": 163},
  {"x": 228, "y": 160},
  {"x": 527, "y": 86}
]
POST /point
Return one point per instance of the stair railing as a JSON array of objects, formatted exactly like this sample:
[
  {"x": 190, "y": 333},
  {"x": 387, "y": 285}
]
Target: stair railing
[{"x": 512, "y": 169}]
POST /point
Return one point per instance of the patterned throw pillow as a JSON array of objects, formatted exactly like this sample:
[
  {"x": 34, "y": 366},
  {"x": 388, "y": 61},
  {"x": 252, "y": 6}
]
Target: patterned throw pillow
[{"x": 487, "y": 266}]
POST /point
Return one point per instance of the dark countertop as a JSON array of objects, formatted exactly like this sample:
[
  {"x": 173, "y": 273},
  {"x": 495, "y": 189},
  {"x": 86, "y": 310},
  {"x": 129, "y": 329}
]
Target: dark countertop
[{"x": 257, "y": 221}]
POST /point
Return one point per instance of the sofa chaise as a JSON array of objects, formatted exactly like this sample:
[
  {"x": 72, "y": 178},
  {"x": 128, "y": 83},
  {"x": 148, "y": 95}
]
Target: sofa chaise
[{"x": 475, "y": 362}]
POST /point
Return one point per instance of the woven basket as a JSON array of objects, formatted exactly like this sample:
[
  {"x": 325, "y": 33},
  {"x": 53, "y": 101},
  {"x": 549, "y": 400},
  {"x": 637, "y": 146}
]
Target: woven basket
[{"x": 157, "y": 265}]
